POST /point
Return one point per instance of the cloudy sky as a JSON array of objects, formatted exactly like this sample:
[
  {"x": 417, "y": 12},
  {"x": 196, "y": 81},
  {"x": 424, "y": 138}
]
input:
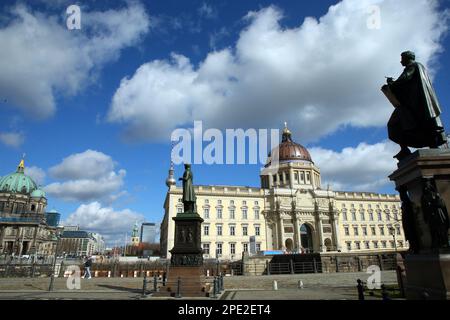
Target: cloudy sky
[{"x": 94, "y": 108}]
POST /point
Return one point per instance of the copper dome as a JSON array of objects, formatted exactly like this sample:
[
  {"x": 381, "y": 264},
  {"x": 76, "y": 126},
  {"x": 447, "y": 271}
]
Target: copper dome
[{"x": 289, "y": 150}]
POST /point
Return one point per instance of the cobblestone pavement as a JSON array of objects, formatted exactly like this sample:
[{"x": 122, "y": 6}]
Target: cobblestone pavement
[{"x": 334, "y": 286}]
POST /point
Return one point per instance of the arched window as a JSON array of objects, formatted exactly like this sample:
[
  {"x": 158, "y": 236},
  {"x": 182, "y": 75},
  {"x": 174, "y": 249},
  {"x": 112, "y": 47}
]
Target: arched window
[{"x": 33, "y": 207}]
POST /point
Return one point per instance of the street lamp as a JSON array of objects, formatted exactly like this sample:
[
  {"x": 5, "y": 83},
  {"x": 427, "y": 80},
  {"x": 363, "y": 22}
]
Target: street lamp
[{"x": 52, "y": 278}]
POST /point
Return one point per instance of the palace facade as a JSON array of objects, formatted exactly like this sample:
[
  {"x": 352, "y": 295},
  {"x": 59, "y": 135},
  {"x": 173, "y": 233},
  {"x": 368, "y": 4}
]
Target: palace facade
[{"x": 291, "y": 212}]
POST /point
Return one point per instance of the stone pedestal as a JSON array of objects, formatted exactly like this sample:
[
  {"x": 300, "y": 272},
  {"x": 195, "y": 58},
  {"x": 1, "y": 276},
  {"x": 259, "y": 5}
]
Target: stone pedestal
[
  {"x": 187, "y": 259},
  {"x": 428, "y": 267}
]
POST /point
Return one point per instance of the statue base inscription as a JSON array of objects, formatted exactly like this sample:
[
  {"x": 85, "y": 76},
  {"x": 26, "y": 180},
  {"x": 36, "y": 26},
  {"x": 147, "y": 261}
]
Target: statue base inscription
[{"x": 423, "y": 181}]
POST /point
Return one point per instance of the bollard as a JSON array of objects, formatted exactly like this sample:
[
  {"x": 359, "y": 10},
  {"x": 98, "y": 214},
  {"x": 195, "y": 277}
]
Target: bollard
[
  {"x": 96, "y": 274},
  {"x": 214, "y": 288},
  {"x": 220, "y": 280},
  {"x": 275, "y": 285},
  {"x": 315, "y": 265},
  {"x": 360, "y": 288},
  {"x": 109, "y": 274},
  {"x": 291, "y": 263},
  {"x": 134, "y": 274},
  {"x": 268, "y": 267},
  {"x": 300, "y": 284},
  {"x": 144, "y": 286},
  {"x": 164, "y": 279},
  {"x": 155, "y": 284},
  {"x": 178, "y": 295},
  {"x": 207, "y": 273}
]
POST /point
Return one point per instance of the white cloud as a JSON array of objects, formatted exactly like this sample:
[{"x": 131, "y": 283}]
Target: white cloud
[
  {"x": 89, "y": 164},
  {"x": 207, "y": 11},
  {"x": 364, "y": 168},
  {"x": 89, "y": 175},
  {"x": 37, "y": 174},
  {"x": 12, "y": 139},
  {"x": 41, "y": 58},
  {"x": 112, "y": 224},
  {"x": 321, "y": 75}
]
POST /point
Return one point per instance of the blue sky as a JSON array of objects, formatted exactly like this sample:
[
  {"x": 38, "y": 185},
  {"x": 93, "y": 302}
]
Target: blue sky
[{"x": 93, "y": 109}]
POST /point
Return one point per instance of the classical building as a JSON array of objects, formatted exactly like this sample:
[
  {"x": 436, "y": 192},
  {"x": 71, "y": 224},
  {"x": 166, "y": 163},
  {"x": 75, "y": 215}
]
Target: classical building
[
  {"x": 25, "y": 227},
  {"x": 291, "y": 212}
]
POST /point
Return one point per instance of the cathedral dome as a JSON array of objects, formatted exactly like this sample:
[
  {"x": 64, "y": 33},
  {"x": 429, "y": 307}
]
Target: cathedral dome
[
  {"x": 288, "y": 150},
  {"x": 18, "y": 182}
]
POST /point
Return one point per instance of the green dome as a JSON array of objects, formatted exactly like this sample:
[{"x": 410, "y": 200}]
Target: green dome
[
  {"x": 18, "y": 182},
  {"x": 38, "y": 193}
]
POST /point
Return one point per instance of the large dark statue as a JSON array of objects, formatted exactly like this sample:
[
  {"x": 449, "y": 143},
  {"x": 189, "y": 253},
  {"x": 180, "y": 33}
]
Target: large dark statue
[
  {"x": 188, "y": 190},
  {"x": 435, "y": 215},
  {"x": 415, "y": 121},
  {"x": 408, "y": 221}
]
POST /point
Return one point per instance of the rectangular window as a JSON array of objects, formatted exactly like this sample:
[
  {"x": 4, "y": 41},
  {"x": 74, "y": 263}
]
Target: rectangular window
[
  {"x": 383, "y": 243},
  {"x": 232, "y": 230},
  {"x": 231, "y": 213},
  {"x": 206, "y": 230},
  {"x": 388, "y": 217},
  {"x": 364, "y": 229},
  {"x": 219, "y": 230},
  {"x": 362, "y": 216},
  {"x": 219, "y": 213},
  {"x": 206, "y": 213},
  {"x": 302, "y": 177},
  {"x": 355, "y": 231},
  {"x": 245, "y": 231},
  {"x": 371, "y": 216},
  {"x": 233, "y": 248},
  {"x": 256, "y": 214},
  {"x": 353, "y": 216},
  {"x": 219, "y": 249},
  {"x": 308, "y": 177},
  {"x": 257, "y": 231},
  {"x": 375, "y": 244},
  {"x": 344, "y": 214},
  {"x": 374, "y": 231},
  {"x": 258, "y": 247},
  {"x": 382, "y": 231},
  {"x": 244, "y": 214},
  {"x": 367, "y": 244},
  {"x": 245, "y": 247},
  {"x": 296, "y": 176},
  {"x": 206, "y": 248},
  {"x": 379, "y": 216},
  {"x": 358, "y": 245},
  {"x": 349, "y": 246},
  {"x": 347, "y": 232},
  {"x": 398, "y": 230}
]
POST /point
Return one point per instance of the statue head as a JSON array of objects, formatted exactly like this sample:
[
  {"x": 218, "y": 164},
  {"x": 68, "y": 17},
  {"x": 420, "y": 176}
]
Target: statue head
[
  {"x": 407, "y": 57},
  {"x": 187, "y": 166}
]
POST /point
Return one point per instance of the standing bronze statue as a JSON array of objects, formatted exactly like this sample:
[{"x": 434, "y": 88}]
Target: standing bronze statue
[
  {"x": 435, "y": 215},
  {"x": 415, "y": 121},
  {"x": 189, "y": 198}
]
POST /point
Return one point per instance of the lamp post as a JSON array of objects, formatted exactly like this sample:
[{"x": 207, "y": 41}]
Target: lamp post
[{"x": 52, "y": 278}]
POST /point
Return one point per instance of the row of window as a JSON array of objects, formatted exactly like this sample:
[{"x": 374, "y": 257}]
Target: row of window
[
  {"x": 232, "y": 230},
  {"x": 362, "y": 216},
  {"x": 18, "y": 207},
  {"x": 232, "y": 246},
  {"x": 369, "y": 205},
  {"x": 231, "y": 213},
  {"x": 372, "y": 229},
  {"x": 219, "y": 202},
  {"x": 375, "y": 245}
]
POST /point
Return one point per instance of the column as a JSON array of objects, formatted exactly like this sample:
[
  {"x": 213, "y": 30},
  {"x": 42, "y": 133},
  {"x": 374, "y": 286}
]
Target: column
[
  {"x": 291, "y": 178},
  {"x": 336, "y": 237},
  {"x": 33, "y": 248},
  {"x": 297, "y": 232},
  {"x": 320, "y": 232},
  {"x": 270, "y": 181},
  {"x": 281, "y": 232},
  {"x": 2, "y": 236}
]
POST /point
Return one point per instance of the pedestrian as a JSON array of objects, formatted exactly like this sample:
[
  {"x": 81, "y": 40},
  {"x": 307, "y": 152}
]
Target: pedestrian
[
  {"x": 87, "y": 268},
  {"x": 360, "y": 288}
]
